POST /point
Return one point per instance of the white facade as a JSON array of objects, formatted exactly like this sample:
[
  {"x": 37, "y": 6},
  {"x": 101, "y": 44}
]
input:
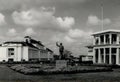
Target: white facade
[
  {"x": 106, "y": 47},
  {"x": 18, "y": 51}
]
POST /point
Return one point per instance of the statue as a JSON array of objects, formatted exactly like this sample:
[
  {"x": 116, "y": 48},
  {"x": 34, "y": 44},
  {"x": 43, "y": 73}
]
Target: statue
[{"x": 61, "y": 50}]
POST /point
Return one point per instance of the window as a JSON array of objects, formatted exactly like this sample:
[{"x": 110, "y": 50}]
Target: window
[
  {"x": 96, "y": 41},
  {"x": 10, "y": 51},
  {"x": 102, "y": 39},
  {"x": 114, "y": 38}
]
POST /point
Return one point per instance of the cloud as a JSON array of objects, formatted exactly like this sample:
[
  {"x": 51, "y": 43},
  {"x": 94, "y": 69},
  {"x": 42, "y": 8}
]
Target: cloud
[
  {"x": 29, "y": 31},
  {"x": 42, "y": 18},
  {"x": 33, "y": 17},
  {"x": 69, "y": 39},
  {"x": 77, "y": 33},
  {"x": 13, "y": 4},
  {"x": 66, "y": 21},
  {"x": 94, "y": 20},
  {"x": 2, "y": 19},
  {"x": 116, "y": 22},
  {"x": 12, "y": 32},
  {"x": 73, "y": 35},
  {"x": 62, "y": 38}
]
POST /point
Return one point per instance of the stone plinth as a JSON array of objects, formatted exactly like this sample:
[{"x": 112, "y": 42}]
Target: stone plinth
[{"x": 61, "y": 64}]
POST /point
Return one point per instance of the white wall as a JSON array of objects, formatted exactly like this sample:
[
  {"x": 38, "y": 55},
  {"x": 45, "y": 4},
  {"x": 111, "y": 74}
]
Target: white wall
[
  {"x": 20, "y": 52},
  {"x": 25, "y": 53},
  {"x": 3, "y": 55}
]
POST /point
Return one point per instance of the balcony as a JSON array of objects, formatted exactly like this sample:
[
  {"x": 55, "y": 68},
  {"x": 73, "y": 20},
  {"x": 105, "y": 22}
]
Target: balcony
[{"x": 106, "y": 39}]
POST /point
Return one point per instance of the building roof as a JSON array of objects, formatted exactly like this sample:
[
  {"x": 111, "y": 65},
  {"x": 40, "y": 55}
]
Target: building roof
[
  {"x": 106, "y": 31},
  {"x": 30, "y": 45},
  {"x": 16, "y": 42},
  {"x": 35, "y": 41},
  {"x": 21, "y": 42},
  {"x": 49, "y": 50}
]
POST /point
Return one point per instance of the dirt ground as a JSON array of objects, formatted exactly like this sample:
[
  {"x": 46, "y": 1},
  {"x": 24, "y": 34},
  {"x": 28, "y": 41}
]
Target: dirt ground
[{"x": 8, "y": 75}]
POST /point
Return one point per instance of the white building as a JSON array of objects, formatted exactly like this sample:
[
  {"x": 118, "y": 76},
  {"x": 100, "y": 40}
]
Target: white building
[
  {"x": 27, "y": 50},
  {"x": 106, "y": 47},
  {"x": 89, "y": 56}
]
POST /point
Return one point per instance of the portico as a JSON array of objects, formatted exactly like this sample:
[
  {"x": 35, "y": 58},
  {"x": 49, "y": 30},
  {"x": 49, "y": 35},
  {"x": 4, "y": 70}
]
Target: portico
[{"x": 106, "y": 48}]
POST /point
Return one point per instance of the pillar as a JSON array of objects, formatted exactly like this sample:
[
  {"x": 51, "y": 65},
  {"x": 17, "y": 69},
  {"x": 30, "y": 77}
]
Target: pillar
[
  {"x": 117, "y": 39},
  {"x": 110, "y": 37},
  {"x": 94, "y": 40},
  {"x": 48, "y": 55},
  {"x": 99, "y": 40},
  {"x": 94, "y": 56},
  {"x": 104, "y": 39},
  {"x": 39, "y": 54},
  {"x": 110, "y": 56},
  {"x": 99, "y": 56},
  {"x": 104, "y": 56},
  {"x": 117, "y": 56}
]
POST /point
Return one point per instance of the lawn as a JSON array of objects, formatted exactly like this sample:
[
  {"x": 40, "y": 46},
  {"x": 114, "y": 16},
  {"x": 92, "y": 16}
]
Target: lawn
[{"x": 8, "y": 75}]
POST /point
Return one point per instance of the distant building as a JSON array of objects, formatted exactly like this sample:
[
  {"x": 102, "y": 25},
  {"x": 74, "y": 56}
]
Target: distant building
[
  {"x": 27, "y": 50},
  {"x": 89, "y": 56},
  {"x": 106, "y": 47}
]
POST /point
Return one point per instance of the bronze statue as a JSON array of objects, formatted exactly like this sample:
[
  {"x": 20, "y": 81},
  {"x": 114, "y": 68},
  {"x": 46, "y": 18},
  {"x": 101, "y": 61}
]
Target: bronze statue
[{"x": 61, "y": 50}]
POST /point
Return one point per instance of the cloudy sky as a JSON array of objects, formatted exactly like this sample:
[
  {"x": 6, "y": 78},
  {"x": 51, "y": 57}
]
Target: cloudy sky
[{"x": 68, "y": 21}]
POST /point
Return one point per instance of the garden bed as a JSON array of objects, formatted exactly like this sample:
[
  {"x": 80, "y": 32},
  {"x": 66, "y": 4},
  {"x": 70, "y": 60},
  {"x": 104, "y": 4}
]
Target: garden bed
[{"x": 42, "y": 70}]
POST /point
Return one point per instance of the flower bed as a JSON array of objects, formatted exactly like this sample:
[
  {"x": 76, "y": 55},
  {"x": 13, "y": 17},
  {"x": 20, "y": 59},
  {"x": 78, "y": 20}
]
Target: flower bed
[{"x": 41, "y": 70}]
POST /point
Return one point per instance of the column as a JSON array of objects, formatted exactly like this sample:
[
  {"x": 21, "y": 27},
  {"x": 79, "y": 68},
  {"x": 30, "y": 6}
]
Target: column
[
  {"x": 117, "y": 56},
  {"x": 110, "y": 56},
  {"x": 117, "y": 39},
  {"x": 39, "y": 54},
  {"x": 99, "y": 56},
  {"x": 48, "y": 56},
  {"x": 104, "y": 39},
  {"x": 110, "y": 38},
  {"x": 104, "y": 56},
  {"x": 94, "y": 40},
  {"x": 99, "y": 40},
  {"x": 94, "y": 60}
]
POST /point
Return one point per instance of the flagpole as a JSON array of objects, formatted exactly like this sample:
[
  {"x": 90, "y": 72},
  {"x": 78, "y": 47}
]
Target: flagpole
[{"x": 102, "y": 23}]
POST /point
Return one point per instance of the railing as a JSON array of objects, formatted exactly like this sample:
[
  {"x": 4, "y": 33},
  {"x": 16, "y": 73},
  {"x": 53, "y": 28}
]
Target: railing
[{"x": 113, "y": 53}]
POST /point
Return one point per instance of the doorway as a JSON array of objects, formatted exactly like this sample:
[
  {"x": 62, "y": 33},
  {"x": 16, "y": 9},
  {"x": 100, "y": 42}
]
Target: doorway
[
  {"x": 107, "y": 59},
  {"x": 113, "y": 59}
]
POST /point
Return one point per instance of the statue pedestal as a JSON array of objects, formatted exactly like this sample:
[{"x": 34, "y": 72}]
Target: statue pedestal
[{"x": 61, "y": 64}]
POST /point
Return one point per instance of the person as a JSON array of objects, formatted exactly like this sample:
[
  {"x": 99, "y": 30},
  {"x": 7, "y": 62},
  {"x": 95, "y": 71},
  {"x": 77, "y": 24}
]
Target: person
[{"x": 61, "y": 50}]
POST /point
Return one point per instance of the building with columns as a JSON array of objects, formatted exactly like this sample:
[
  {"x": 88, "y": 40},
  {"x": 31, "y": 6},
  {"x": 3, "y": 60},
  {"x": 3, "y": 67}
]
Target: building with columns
[{"x": 106, "y": 47}]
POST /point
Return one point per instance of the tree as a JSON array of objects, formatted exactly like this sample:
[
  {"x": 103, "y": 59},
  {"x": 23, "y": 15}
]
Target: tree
[{"x": 67, "y": 54}]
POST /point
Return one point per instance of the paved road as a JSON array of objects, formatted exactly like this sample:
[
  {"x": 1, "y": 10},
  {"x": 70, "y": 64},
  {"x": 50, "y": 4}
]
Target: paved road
[{"x": 8, "y": 75}]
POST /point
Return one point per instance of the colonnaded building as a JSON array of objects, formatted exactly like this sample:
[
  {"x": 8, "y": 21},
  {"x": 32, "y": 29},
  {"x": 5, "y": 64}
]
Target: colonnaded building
[
  {"x": 26, "y": 50},
  {"x": 106, "y": 47}
]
